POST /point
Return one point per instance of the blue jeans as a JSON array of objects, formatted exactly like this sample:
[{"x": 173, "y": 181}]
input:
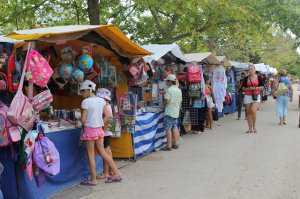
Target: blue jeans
[
  {"x": 170, "y": 123},
  {"x": 282, "y": 106}
]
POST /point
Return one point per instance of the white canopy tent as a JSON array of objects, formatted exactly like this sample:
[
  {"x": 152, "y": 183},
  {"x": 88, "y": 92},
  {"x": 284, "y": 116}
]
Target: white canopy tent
[
  {"x": 207, "y": 57},
  {"x": 239, "y": 65},
  {"x": 159, "y": 50}
]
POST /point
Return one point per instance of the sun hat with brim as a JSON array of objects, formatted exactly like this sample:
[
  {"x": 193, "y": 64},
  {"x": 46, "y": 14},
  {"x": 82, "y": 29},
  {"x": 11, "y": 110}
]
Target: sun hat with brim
[
  {"x": 171, "y": 78},
  {"x": 104, "y": 93},
  {"x": 87, "y": 85}
]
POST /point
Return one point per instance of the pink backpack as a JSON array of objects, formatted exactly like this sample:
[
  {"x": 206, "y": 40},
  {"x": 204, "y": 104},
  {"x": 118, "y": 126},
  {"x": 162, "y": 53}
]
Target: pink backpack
[
  {"x": 21, "y": 110},
  {"x": 39, "y": 70},
  {"x": 4, "y": 137},
  {"x": 194, "y": 73},
  {"x": 46, "y": 156}
]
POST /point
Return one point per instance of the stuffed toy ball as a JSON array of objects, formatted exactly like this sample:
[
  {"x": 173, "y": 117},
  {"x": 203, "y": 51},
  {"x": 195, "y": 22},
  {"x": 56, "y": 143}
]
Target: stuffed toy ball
[
  {"x": 78, "y": 75},
  {"x": 85, "y": 63},
  {"x": 65, "y": 71}
]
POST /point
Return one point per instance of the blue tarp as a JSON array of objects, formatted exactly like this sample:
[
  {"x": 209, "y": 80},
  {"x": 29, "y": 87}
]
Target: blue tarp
[{"x": 73, "y": 169}]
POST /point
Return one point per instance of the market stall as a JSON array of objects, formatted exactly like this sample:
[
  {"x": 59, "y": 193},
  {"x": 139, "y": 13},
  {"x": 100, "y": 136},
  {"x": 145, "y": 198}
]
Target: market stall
[
  {"x": 98, "y": 53},
  {"x": 207, "y": 62},
  {"x": 148, "y": 131}
]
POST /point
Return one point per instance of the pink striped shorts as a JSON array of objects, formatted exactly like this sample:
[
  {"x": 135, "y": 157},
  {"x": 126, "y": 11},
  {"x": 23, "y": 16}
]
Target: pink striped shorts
[{"x": 92, "y": 133}]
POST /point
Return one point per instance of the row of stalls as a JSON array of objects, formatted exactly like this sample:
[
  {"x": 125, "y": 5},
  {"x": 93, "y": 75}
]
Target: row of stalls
[
  {"x": 135, "y": 76},
  {"x": 102, "y": 54}
]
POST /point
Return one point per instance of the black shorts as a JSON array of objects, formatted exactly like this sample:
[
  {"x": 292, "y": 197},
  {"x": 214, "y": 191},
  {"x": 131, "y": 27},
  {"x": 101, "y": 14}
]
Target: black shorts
[{"x": 106, "y": 141}]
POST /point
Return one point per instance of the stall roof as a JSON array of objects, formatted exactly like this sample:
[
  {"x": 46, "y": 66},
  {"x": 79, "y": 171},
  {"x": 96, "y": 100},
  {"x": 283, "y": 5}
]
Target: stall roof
[
  {"x": 4, "y": 39},
  {"x": 224, "y": 60},
  {"x": 239, "y": 65},
  {"x": 101, "y": 34},
  {"x": 263, "y": 68},
  {"x": 159, "y": 50},
  {"x": 209, "y": 57}
]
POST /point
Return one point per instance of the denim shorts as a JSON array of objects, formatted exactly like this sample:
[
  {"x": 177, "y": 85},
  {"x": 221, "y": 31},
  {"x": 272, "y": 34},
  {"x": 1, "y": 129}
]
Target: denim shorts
[{"x": 170, "y": 122}]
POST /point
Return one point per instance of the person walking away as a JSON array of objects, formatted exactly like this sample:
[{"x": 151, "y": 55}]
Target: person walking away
[
  {"x": 252, "y": 87},
  {"x": 108, "y": 116},
  {"x": 240, "y": 96},
  {"x": 173, "y": 99},
  {"x": 210, "y": 104},
  {"x": 93, "y": 134},
  {"x": 282, "y": 94}
]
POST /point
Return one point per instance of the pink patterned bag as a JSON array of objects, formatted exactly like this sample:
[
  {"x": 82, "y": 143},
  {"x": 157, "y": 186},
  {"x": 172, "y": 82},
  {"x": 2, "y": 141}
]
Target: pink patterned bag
[
  {"x": 21, "y": 110},
  {"x": 42, "y": 100},
  {"x": 39, "y": 70}
]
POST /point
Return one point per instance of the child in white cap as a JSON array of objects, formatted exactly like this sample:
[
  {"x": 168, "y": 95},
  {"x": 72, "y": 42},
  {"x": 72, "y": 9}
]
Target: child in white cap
[{"x": 93, "y": 134}]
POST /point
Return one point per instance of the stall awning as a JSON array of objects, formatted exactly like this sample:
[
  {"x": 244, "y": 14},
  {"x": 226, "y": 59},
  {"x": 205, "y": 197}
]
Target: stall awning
[
  {"x": 239, "y": 65},
  {"x": 207, "y": 57},
  {"x": 107, "y": 35},
  {"x": 159, "y": 50}
]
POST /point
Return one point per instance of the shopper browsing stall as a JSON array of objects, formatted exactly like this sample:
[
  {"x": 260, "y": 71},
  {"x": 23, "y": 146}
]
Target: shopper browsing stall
[
  {"x": 108, "y": 116},
  {"x": 93, "y": 134},
  {"x": 173, "y": 99}
]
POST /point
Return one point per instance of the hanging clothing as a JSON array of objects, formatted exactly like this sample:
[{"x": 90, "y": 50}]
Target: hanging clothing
[{"x": 219, "y": 82}]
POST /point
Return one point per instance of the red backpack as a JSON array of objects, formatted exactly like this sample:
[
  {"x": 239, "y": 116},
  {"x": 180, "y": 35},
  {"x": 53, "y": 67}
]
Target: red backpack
[{"x": 194, "y": 73}]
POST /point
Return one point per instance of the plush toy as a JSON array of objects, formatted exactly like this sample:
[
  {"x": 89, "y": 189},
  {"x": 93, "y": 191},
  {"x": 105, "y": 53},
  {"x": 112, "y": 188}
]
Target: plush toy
[
  {"x": 65, "y": 71},
  {"x": 67, "y": 55},
  {"x": 78, "y": 75}
]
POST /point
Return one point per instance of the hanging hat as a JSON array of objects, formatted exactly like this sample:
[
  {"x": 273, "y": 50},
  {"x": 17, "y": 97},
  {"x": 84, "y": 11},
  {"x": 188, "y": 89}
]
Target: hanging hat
[{"x": 104, "y": 93}]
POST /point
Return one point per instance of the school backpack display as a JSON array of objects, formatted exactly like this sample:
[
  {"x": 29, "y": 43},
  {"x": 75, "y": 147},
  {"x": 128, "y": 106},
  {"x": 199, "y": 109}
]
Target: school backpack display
[{"x": 194, "y": 73}]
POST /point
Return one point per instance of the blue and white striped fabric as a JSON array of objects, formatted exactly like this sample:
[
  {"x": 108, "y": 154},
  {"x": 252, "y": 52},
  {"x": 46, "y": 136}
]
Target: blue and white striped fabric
[{"x": 149, "y": 133}]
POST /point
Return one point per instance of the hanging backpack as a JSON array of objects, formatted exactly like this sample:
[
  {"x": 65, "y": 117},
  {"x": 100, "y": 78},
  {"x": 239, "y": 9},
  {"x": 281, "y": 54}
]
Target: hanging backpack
[
  {"x": 46, "y": 156},
  {"x": 38, "y": 70},
  {"x": 4, "y": 136},
  {"x": 3, "y": 82},
  {"x": 194, "y": 73},
  {"x": 195, "y": 90}
]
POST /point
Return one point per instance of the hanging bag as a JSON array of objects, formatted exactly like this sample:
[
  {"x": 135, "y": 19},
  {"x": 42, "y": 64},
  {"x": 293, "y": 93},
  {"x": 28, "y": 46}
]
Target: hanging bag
[
  {"x": 4, "y": 136},
  {"x": 194, "y": 73},
  {"x": 42, "y": 100},
  {"x": 3, "y": 82},
  {"x": 38, "y": 70},
  {"x": 21, "y": 110},
  {"x": 46, "y": 156}
]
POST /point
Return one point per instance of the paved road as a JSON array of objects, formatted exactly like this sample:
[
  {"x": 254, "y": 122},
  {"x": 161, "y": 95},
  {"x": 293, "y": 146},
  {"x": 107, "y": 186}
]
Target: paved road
[{"x": 224, "y": 163}]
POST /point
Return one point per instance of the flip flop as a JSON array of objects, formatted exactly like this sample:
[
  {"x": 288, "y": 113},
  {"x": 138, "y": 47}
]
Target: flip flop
[
  {"x": 101, "y": 177},
  {"x": 167, "y": 149},
  {"x": 247, "y": 132},
  {"x": 175, "y": 146},
  {"x": 113, "y": 179},
  {"x": 88, "y": 183}
]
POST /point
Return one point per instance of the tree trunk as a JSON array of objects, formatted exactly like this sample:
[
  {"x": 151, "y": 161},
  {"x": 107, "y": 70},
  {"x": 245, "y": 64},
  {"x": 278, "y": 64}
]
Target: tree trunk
[{"x": 93, "y": 12}]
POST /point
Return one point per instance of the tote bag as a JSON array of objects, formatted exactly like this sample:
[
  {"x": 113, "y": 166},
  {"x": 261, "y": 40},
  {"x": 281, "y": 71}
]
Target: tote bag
[{"x": 21, "y": 110}]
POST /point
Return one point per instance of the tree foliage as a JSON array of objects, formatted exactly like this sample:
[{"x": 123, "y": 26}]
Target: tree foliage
[{"x": 242, "y": 30}]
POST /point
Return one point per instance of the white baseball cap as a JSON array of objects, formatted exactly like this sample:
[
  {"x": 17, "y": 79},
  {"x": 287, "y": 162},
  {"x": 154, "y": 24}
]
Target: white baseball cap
[
  {"x": 104, "y": 93},
  {"x": 87, "y": 85},
  {"x": 171, "y": 77}
]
